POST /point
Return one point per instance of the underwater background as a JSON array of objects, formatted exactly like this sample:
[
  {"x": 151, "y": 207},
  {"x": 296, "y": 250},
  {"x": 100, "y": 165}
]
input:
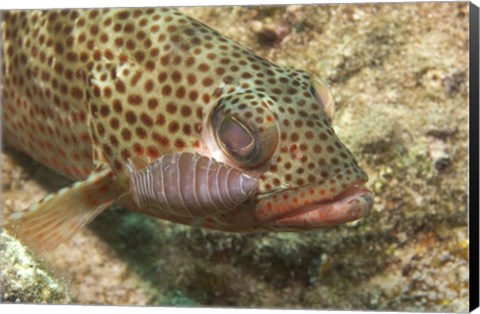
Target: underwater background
[{"x": 399, "y": 75}]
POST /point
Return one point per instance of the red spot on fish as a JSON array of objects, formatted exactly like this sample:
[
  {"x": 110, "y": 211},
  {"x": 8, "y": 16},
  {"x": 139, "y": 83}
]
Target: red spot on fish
[
  {"x": 134, "y": 100},
  {"x": 126, "y": 134},
  {"x": 125, "y": 154},
  {"x": 131, "y": 117},
  {"x": 152, "y": 152},
  {"x": 117, "y": 165},
  {"x": 152, "y": 103},
  {"x": 160, "y": 139},
  {"x": 146, "y": 120},
  {"x": 62, "y": 152},
  {"x": 138, "y": 149},
  {"x": 103, "y": 189},
  {"x": 179, "y": 144},
  {"x": 85, "y": 137},
  {"x": 76, "y": 156}
]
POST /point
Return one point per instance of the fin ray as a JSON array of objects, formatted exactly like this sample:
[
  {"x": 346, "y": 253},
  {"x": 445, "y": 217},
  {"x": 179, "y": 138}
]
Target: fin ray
[{"x": 57, "y": 217}]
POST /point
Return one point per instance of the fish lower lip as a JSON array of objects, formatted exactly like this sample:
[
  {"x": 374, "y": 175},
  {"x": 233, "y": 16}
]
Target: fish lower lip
[{"x": 353, "y": 203}]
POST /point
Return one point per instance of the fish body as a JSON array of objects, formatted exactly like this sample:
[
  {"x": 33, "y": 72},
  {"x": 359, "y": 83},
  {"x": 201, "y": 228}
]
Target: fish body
[{"x": 117, "y": 98}]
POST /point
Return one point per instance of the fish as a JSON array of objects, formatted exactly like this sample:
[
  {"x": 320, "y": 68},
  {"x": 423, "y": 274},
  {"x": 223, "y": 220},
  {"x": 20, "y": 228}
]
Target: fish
[{"x": 156, "y": 111}]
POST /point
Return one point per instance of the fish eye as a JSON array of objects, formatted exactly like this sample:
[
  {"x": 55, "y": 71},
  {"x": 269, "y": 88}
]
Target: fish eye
[
  {"x": 245, "y": 130},
  {"x": 324, "y": 97}
]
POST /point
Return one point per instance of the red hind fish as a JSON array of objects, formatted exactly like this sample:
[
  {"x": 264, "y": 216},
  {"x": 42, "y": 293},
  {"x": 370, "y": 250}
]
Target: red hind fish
[{"x": 157, "y": 111}]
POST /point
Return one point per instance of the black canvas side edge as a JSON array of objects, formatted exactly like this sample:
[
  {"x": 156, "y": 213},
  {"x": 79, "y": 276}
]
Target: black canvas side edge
[{"x": 474, "y": 158}]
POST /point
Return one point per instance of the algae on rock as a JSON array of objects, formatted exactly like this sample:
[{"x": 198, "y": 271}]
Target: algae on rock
[{"x": 23, "y": 280}]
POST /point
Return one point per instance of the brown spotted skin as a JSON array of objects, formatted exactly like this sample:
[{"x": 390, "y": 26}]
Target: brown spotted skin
[{"x": 92, "y": 89}]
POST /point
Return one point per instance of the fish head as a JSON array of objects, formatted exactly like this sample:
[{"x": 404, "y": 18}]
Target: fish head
[{"x": 281, "y": 134}]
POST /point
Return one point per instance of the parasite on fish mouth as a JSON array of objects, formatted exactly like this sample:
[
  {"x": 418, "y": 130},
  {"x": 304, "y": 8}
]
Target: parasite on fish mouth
[{"x": 190, "y": 185}]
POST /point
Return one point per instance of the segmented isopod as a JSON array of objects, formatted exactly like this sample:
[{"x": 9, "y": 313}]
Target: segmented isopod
[{"x": 190, "y": 185}]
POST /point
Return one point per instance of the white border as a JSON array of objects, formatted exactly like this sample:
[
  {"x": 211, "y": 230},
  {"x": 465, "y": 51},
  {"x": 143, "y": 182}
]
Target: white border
[
  {"x": 32, "y": 4},
  {"x": 77, "y": 309}
]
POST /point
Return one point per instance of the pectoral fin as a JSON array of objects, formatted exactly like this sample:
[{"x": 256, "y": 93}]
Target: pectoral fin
[{"x": 58, "y": 216}]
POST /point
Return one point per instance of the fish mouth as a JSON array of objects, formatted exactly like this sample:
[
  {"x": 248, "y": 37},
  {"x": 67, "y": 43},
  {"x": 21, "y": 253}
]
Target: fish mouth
[{"x": 353, "y": 203}]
